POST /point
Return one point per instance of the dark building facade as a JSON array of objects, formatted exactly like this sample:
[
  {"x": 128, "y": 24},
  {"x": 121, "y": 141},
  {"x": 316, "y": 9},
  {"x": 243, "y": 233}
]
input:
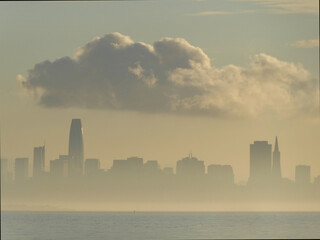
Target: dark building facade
[
  {"x": 221, "y": 175},
  {"x": 76, "y": 152},
  {"x": 21, "y": 169},
  {"x": 303, "y": 175},
  {"x": 190, "y": 166},
  {"x": 276, "y": 164},
  {"x": 151, "y": 167},
  {"x": 38, "y": 161},
  {"x": 92, "y": 167},
  {"x": 132, "y": 165},
  {"x": 5, "y": 173},
  {"x": 59, "y": 167},
  {"x": 260, "y": 162}
]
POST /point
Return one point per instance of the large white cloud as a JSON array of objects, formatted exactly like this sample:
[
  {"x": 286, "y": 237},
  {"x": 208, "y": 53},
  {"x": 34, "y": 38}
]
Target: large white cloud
[{"x": 172, "y": 76}]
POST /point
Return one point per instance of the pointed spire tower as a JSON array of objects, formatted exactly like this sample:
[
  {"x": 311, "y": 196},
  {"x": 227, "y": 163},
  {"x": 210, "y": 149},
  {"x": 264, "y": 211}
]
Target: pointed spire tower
[
  {"x": 76, "y": 148},
  {"x": 276, "y": 167}
]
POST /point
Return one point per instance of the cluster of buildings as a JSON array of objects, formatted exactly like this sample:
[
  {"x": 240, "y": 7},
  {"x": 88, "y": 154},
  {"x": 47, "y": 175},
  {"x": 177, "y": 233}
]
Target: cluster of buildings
[{"x": 265, "y": 165}]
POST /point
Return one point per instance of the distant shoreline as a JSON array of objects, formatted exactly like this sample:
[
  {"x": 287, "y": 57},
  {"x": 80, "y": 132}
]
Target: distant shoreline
[{"x": 161, "y": 212}]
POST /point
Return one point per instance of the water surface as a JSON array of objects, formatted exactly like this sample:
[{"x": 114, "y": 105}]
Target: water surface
[{"x": 152, "y": 225}]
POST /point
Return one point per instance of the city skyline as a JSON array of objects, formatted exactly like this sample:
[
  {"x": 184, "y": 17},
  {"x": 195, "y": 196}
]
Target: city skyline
[
  {"x": 265, "y": 164},
  {"x": 134, "y": 181},
  {"x": 255, "y": 82},
  {"x": 159, "y": 119}
]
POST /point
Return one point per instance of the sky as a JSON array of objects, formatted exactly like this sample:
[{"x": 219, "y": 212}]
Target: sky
[{"x": 161, "y": 79}]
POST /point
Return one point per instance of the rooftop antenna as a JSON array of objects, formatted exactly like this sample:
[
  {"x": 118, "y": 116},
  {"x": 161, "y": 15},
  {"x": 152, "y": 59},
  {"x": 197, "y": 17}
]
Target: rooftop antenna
[{"x": 276, "y": 147}]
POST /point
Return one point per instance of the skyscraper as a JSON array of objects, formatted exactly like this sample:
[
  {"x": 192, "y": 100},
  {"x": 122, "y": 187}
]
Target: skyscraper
[
  {"x": 76, "y": 148},
  {"x": 190, "y": 166},
  {"x": 302, "y": 175},
  {"x": 151, "y": 167},
  {"x": 38, "y": 161},
  {"x": 260, "y": 162},
  {"x": 5, "y": 174},
  {"x": 59, "y": 167},
  {"x": 276, "y": 167},
  {"x": 92, "y": 167},
  {"x": 21, "y": 169},
  {"x": 221, "y": 174},
  {"x": 133, "y": 165}
]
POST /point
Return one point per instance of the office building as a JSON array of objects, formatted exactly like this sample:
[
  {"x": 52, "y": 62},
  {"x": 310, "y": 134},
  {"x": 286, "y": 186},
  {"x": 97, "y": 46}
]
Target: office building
[
  {"x": 5, "y": 173},
  {"x": 38, "y": 161},
  {"x": 317, "y": 181},
  {"x": 132, "y": 165},
  {"x": 151, "y": 167},
  {"x": 302, "y": 175},
  {"x": 190, "y": 166},
  {"x": 168, "y": 170},
  {"x": 59, "y": 167},
  {"x": 92, "y": 167},
  {"x": 21, "y": 169},
  {"x": 135, "y": 164},
  {"x": 76, "y": 152},
  {"x": 221, "y": 174},
  {"x": 260, "y": 162}
]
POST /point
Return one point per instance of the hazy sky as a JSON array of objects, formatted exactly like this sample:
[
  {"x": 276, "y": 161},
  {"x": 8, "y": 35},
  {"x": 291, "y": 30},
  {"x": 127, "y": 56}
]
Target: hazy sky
[{"x": 158, "y": 79}]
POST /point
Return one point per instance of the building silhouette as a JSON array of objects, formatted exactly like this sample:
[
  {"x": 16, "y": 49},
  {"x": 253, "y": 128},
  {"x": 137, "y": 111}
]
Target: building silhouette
[
  {"x": 132, "y": 178},
  {"x": 76, "y": 152},
  {"x": 168, "y": 171},
  {"x": 132, "y": 165},
  {"x": 92, "y": 167},
  {"x": 119, "y": 166},
  {"x": 221, "y": 174},
  {"x": 276, "y": 165},
  {"x": 21, "y": 169},
  {"x": 190, "y": 166},
  {"x": 38, "y": 161},
  {"x": 302, "y": 175},
  {"x": 151, "y": 167},
  {"x": 135, "y": 164},
  {"x": 317, "y": 181},
  {"x": 260, "y": 162},
  {"x": 5, "y": 173},
  {"x": 59, "y": 167}
]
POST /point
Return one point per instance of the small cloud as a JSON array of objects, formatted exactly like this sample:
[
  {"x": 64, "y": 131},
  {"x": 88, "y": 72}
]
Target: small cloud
[
  {"x": 313, "y": 43},
  {"x": 209, "y": 13},
  {"x": 288, "y": 6}
]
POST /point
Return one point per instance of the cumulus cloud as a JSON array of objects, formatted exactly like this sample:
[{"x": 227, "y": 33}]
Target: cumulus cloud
[
  {"x": 313, "y": 43},
  {"x": 171, "y": 76}
]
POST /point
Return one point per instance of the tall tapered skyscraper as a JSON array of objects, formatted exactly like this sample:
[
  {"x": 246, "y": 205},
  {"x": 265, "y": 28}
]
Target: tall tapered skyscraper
[
  {"x": 276, "y": 167},
  {"x": 76, "y": 148}
]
